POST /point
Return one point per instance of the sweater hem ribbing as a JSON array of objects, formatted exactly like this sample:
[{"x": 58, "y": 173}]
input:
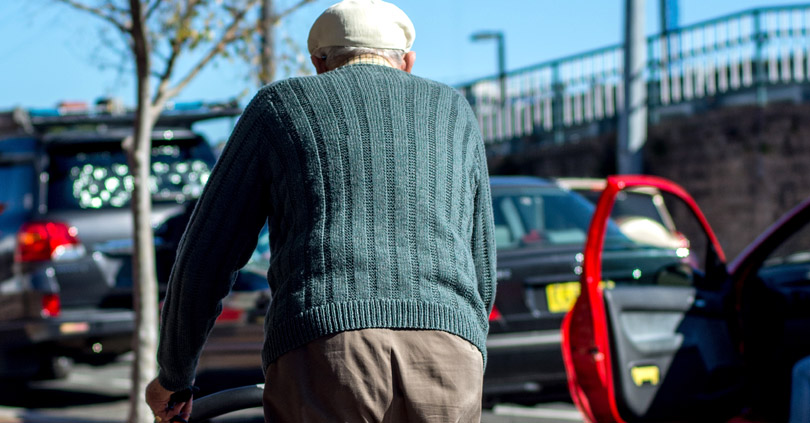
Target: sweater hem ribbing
[{"x": 330, "y": 319}]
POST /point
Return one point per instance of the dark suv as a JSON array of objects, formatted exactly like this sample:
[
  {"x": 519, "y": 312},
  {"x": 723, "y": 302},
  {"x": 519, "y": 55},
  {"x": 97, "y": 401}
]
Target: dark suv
[
  {"x": 66, "y": 231},
  {"x": 540, "y": 231}
]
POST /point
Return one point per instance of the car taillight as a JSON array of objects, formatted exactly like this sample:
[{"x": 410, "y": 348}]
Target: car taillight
[
  {"x": 51, "y": 306},
  {"x": 37, "y": 241},
  {"x": 495, "y": 314}
]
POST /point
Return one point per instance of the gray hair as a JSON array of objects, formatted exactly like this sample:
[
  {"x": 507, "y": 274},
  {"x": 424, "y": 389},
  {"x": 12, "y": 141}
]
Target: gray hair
[{"x": 336, "y": 56}]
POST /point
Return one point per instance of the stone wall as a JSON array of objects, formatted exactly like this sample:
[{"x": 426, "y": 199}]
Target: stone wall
[{"x": 745, "y": 166}]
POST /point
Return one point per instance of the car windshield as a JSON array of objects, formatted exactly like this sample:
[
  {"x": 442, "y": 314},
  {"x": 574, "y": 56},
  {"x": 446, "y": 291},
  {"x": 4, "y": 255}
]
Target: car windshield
[
  {"x": 794, "y": 252},
  {"x": 545, "y": 216},
  {"x": 97, "y": 175}
]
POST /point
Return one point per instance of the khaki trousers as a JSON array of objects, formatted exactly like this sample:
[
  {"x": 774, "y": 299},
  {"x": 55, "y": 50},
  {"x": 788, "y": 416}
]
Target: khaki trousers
[{"x": 377, "y": 375}]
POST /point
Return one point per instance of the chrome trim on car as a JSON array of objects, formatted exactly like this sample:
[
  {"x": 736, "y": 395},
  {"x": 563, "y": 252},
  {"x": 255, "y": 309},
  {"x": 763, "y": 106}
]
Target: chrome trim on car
[{"x": 523, "y": 339}]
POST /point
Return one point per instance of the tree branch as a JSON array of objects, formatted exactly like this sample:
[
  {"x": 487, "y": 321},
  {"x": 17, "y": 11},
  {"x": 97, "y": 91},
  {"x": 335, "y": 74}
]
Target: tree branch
[
  {"x": 230, "y": 35},
  {"x": 292, "y": 9},
  {"x": 99, "y": 13},
  {"x": 152, "y": 9},
  {"x": 176, "y": 44},
  {"x": 117, "y": 43},
  {"x": 113, "y": 8}
]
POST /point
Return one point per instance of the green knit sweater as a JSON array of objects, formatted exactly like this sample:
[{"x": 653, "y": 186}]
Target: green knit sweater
[{"x": 374, "y": 185}]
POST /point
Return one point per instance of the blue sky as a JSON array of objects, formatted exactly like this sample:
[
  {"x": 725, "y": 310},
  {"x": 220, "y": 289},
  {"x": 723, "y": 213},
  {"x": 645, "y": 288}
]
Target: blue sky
[{"x": 49, "y": 53}]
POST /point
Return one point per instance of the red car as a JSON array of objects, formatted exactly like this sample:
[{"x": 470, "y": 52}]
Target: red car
[{"x": 696, "y": 340}]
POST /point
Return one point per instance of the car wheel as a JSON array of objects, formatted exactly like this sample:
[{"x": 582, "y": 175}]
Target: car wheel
[{"x": 55, "y": 368}]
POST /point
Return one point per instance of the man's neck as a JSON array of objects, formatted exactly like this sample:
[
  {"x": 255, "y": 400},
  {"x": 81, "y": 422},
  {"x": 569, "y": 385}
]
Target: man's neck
[{"x": 367, "y": 59}]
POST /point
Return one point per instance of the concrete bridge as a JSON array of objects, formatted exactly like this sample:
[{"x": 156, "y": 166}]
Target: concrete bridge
[
  {"x": 755, "y": 56},
  {"x": 729, "y": 116}
]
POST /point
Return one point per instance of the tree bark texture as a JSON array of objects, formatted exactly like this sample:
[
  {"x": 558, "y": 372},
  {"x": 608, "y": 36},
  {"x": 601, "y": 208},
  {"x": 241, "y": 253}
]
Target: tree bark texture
[
  {"x": 267, "y": 69},
  {"x": 139, "y": 147}
]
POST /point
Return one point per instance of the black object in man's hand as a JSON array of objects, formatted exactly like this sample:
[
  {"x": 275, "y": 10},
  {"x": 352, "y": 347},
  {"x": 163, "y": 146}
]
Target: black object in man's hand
[{"x": 181, "y": 396}]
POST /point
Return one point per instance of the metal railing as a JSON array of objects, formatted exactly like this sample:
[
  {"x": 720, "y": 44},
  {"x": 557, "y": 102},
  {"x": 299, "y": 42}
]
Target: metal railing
[{"x": 745, "y": 51}]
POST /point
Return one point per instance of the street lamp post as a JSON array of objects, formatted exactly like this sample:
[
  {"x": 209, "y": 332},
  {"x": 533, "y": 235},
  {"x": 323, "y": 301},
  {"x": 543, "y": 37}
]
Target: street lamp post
[
  {"x": 632, "y": 131},
  {"x": 496, "y": 35}
]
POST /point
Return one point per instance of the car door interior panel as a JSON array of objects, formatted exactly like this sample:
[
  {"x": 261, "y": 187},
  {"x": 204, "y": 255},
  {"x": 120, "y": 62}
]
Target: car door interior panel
[
  {"x": 695, "y": 340},
  {"x": 660, "y": 350}
]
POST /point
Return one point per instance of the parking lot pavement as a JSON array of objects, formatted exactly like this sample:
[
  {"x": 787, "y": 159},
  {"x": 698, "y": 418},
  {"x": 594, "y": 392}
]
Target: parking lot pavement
[
  {"x": 541, "y": 413},
  {"x": 89, "y": 394},
  {"x": 100, "y": 395},
  {"x": 116, "y": 413}
]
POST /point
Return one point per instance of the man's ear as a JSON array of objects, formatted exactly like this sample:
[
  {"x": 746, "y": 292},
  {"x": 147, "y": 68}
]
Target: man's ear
[
  {"x": 319, "y": 63},
  {"x": 407, "y": 61}
]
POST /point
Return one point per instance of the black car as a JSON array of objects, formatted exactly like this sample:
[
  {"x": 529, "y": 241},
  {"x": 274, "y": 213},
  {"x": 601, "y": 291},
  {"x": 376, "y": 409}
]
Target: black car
[
  {"x": 232, "y": 354},
  {"x": 66, "y": 229},
  {"x": 540, "y": 231}
]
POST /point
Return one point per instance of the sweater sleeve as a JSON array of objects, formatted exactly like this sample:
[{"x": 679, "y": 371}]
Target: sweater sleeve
[
  {"x": 218, "y": 241},
  {"x": 483, "y": 236}
]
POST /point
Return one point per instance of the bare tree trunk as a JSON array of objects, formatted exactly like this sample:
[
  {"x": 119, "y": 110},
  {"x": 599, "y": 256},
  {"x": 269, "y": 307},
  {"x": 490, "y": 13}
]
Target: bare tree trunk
[
  {"x": 267, "y": 25},
  {"x": 145, "y": 298},
  {"x": 139, "y": 145},
  {"x": 139, "y": 148}
]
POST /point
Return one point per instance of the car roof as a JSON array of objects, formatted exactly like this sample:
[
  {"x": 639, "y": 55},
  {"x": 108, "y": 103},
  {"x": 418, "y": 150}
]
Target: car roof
[
  {"x": 114, "y": 135},
  {"x": 501, "y": 181},
  {"x": 57, "y": 126},
  {"x": 597, "y": 185}
]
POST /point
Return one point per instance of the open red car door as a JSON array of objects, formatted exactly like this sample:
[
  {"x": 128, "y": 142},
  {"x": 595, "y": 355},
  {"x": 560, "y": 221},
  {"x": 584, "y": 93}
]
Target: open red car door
[{"x": 635, "y": 347}]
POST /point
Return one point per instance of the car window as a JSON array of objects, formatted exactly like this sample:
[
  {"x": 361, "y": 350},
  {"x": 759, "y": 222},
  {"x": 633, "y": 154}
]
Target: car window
[
  {"x": 792, "y": 256},
  {"x": 16, "y": 191},
  {"x": 686, "y": 259},
  {"x": 636, "y": 204},
  {"x": 531, "y": 216},
  {"x": 628, "y": 204},
  {"x": 97, "y": 176},
  {"x": 591, "y": 195}
]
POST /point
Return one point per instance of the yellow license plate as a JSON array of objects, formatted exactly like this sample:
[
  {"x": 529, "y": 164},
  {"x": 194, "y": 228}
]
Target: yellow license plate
[{"x": 561, "y": 296}]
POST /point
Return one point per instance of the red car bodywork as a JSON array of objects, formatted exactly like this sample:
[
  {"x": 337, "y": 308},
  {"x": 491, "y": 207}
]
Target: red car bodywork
[
  {"x": 587, "y": 332},
  {"x": 586, "y": 350}
]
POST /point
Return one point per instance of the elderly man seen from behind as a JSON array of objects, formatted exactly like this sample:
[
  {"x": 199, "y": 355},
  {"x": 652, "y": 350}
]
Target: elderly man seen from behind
[{"x": 375, "y": 188}]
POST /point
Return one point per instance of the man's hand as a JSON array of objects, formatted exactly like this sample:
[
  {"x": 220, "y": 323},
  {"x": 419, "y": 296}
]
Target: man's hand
[{"x": 163, "y": 407}]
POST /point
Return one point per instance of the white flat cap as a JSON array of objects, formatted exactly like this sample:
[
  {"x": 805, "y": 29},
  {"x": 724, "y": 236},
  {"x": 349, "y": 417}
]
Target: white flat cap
[{"x": 362, "y": 23}]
